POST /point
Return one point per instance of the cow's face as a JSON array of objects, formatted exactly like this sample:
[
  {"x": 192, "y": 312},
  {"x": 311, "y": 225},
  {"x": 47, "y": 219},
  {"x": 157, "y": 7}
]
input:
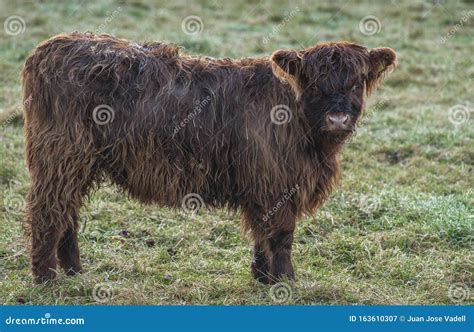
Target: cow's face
[{"x": 331, "y": 80}]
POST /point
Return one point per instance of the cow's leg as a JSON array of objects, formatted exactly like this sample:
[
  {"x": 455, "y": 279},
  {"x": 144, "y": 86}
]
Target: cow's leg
[
  {"x": 53, "y": 207},
  {"x": 280, "y": 251},
  {"x": 260, "y": 262},
  {"x": 59, "y": 179},
  {"x": 280, "y": 241},
  {"x": 68, "y": 251},
  {"x": 68, "y": 247},
  {"x": 253, "y": 221},
  {"x": 44, "y": 241}
]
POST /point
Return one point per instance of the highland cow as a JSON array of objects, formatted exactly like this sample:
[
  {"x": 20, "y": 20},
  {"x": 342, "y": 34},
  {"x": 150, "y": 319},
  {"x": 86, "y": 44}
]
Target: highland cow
[{"x": 258, "y": 135}]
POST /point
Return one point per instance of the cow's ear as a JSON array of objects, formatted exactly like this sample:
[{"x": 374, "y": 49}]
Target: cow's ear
[
  {"x": 287, "y": 60},
  {"x": 382, "y": 62},
  {"x": 286, "y": 65}
]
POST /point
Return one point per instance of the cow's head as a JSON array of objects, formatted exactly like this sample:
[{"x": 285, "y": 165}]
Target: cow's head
[{"x": 332, "y": 80}]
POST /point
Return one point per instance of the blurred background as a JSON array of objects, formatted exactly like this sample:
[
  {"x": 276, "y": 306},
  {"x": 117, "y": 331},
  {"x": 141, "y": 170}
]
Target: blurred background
[{"x": 398, "y": 229}]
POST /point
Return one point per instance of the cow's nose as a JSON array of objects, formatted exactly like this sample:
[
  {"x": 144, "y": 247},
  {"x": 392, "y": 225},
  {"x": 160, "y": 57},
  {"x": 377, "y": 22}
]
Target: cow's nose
[{"x": 338, "y": 121}]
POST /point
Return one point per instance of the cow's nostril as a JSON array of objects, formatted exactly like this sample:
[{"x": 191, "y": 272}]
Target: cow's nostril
[{"x": 338, "y": 119}]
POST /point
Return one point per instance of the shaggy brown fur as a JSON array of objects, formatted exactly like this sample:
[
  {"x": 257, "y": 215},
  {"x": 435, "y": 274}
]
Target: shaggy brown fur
[{"x": 179, "y": 125}]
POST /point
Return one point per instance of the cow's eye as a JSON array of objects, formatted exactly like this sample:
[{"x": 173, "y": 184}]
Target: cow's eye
[
  {"x": 316, "y": 89},
  {"x": 355, "y": 87}
]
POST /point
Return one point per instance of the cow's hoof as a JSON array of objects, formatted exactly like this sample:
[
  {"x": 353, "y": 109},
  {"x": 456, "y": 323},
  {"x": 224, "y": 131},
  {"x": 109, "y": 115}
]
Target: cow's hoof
[
  {"x": 260, "y": 273},
  {"x": 46, "y": 277}
]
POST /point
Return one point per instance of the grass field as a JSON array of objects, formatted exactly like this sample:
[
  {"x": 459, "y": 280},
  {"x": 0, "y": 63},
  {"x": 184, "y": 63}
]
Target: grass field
[{"x": 397, "y": 230}]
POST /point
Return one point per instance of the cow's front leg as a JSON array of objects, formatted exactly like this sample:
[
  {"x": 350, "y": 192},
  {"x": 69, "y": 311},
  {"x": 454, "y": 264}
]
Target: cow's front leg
[
  {"x": 260, "y": 262},
  {"x": 279, "y": 245}
]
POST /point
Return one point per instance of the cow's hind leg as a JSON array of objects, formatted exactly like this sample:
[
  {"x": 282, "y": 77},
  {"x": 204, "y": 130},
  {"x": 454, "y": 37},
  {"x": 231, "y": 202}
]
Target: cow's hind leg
[
  {"x": 60, "y": 177},
  {"x": 68, "y": 247},
  {"x": 68, "y": 251}
]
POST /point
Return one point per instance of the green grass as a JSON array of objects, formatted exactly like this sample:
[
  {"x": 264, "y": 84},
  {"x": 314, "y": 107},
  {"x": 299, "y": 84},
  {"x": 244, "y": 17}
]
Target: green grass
[{"x": 398, "y": 229}]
